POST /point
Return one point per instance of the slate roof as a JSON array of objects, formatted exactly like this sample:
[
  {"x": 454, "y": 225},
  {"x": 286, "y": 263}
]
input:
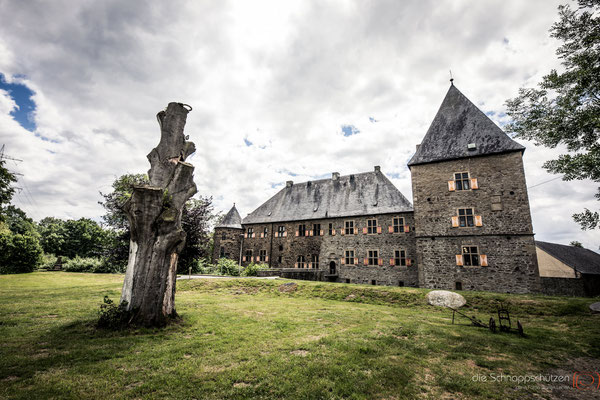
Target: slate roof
[
  {"x": 231, "y": 220},
  {"x": 458, "y": 123},
  {"x": 580, "y": 259},
  {"x": 366, "y": 193}
]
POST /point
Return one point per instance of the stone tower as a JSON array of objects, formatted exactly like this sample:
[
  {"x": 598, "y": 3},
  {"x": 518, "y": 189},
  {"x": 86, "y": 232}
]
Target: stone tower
[
  {"x": 228, "y": 236},
  {"x": 471, "y": 209}
]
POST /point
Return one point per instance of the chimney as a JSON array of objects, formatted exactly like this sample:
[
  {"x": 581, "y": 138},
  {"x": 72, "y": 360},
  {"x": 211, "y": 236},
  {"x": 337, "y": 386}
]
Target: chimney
[
  {"x": 335, "y": 176},
  {"x": 419, "y": 145},
  {"x": 289, "y": 183},
  {"x": 377, "y": 168}
]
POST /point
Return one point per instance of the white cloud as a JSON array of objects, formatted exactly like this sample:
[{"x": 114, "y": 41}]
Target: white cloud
[{"x": 284, "y": 75}]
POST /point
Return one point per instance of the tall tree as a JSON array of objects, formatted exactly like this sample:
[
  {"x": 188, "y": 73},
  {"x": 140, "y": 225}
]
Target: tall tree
[
  {"x": 7, "y": 178},
  {"x": 154, "y": 215},
  {"x": 197, "y": 219},
  {"x": 566, "y": 107}
]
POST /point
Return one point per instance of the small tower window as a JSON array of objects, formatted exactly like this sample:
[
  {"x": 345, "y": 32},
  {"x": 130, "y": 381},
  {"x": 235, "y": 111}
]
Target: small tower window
[
  {"x": 330, "y": 229},
  {"x": 223, "y": 236},
  {"x": 222, "y": 252},
  {"x": 399, "y": 257},
  {"x": 398, "y": 225},
  {"x": 470, "y": 256},
  {"x": 461, "y": 180},
  {"x": 465, "y": 217}
]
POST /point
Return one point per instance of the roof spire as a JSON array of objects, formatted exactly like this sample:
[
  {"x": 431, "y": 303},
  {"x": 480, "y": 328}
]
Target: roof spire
[{"x": 451, "y": 78}]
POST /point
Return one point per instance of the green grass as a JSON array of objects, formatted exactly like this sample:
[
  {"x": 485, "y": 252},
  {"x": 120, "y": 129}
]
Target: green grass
[{"x": 246, "y": 339}]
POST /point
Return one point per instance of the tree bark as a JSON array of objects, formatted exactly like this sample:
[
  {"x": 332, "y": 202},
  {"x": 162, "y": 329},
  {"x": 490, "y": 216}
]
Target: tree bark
[{"x": 154, "y": 213}]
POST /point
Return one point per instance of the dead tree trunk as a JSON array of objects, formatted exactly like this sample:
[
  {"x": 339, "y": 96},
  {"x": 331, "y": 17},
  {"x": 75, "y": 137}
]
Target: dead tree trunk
[{"x": 154, "y": 214}]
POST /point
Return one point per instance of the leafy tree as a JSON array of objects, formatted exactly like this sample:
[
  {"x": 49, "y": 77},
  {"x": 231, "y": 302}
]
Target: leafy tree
[
  {"x": 53, "y": 235},
  {"x": 575, "y": 243},
  {"x": 196, "y": 220},
  {"x": 565, "y": 108},
  {"x": 113, "y": 202},
  {"x": 6, "y": 190},
  {"x": 20, "y": 252},
  {"x": 17, "y": 221}
]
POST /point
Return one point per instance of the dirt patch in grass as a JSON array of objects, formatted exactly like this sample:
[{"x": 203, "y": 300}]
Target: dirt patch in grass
[{"x": 301, "y": 353}]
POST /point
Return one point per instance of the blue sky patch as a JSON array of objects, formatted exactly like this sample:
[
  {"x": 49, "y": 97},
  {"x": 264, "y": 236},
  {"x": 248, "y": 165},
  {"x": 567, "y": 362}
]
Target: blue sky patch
[
  {"x": 248, "y": 143},
  {"x": 349, "y": 130},
  {"x": 21, "y": 94}
]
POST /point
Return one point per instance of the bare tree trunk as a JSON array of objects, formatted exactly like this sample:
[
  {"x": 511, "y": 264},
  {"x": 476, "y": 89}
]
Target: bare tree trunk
[{"x": 154, "y": 214}]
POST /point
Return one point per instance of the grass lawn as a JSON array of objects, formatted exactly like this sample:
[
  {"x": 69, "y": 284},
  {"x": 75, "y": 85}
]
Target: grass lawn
[{"x": 246, "y": 339}]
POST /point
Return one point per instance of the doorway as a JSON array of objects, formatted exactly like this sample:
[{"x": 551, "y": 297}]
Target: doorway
[{"x": 332, "y": 268}]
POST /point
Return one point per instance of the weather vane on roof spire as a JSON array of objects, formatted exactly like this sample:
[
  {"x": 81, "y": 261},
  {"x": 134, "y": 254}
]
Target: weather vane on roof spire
[{"x": 451, "y": 78}]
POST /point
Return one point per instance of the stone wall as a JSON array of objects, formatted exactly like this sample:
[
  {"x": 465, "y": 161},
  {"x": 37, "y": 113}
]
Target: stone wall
[
  {"x": 506, "y": 234},
  {"x": 283, "y": 252},
  {"x": 229, "y": 240},
  {"x": 563, "y": 286},
  {"x": 512, "y": 264}
]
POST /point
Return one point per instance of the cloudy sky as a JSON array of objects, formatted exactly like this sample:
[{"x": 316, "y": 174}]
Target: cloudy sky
[{"x": 281, "y": 90}]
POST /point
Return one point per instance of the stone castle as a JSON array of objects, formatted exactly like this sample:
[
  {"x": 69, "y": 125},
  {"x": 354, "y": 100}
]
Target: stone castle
[{"x": 468, "y": 229}]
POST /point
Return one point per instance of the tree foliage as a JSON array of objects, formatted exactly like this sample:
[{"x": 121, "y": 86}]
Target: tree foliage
[
  {"x": 82, "y": 237},
  {"x": 6, "y": 189},
  {"x": 20, "y": 252},
  {"x": 565, "y": 109}
]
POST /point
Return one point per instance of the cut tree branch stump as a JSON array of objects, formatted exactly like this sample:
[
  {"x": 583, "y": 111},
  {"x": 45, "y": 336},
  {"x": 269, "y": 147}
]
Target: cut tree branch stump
[{"x": 154, "y": 214}]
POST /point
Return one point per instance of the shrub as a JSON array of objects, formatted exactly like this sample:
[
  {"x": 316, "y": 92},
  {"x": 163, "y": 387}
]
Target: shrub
[
  {"x": 203, "y": 266},
  {"x": 20, "y": 253},
  {"x": 48, "y": 261},
  {"x": 252, "y": 269},
  {"x": 83, "y": 264},
  {"x": 111, "y": 316},
  {"x": 226, "y": 266}
]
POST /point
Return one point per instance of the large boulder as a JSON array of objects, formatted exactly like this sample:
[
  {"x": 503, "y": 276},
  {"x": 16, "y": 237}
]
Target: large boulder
[
  {"x": 445, "y": 298},
  {"x": 595, "y": 307}
]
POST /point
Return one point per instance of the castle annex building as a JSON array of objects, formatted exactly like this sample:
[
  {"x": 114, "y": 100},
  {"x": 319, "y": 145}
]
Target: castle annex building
[{"x": 469, "y": 227}]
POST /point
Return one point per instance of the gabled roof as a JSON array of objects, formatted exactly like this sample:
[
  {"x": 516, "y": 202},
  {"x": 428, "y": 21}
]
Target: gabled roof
[
  {"x": 457, "y": 124},
  {"x": 231, "y": 220},
  {"x": 580, "y": 259},
  {"x": 366, "y": 193}
]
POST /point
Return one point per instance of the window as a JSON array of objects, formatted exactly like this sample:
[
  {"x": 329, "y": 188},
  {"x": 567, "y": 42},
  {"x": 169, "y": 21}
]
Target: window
[
  {"x": 458, "y": 285},
  {"x": 314, "y": 261},
  {"x": 400, "y": 257},
  {"x": 279, "y": 259},
  {"x": 349, "y": 227},
  {"x": 401, "y": 283},
  {"x": 222, "y": 252},
  {"x": 280, "y": 247},
  {"x": 280, "y": 231},
  {"x": 398, "y": 224},
  {"x": 373, "y": 282},
  {"x": 349, "y": 259},
  {"x": 373, "y": 257},
  {"x": 465, "y": 217},
  {"x": 330, "y": 229},
  {"x": 262, "y": 255},
  {"x": 223, "y": 236},
  {"x": 250, "y": 232},
  {"x": 470, "y": 256},
  {"x": 461, "y": 180},
  {"x": 317, "y": 229},
  {"x": 248, "y": 255},
  {"x": 371, "y": 226},
  {"x": 300, "y": 262},
  {"x": 265, "y": 232},
  {"x": 301, "y": 230}
]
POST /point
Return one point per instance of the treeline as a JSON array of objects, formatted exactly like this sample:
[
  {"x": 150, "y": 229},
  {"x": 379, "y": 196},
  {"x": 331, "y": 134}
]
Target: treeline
[{"x": 84, "y": 245}]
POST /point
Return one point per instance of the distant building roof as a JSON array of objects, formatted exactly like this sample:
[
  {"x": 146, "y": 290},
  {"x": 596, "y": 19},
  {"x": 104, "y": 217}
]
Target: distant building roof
[
  {"x": 581, "y": 260},
  {"x": 458, "y": 125},
  {"x": 366, "y": 193},
  {"x": 231, "y": 220}
]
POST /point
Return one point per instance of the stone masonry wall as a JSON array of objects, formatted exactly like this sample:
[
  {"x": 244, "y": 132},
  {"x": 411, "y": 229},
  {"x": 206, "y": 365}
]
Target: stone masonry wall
[
  {"x": 229, "y": 239},
  {"x": 506, "y": 234},
  {"x": 283, "y": 252}
]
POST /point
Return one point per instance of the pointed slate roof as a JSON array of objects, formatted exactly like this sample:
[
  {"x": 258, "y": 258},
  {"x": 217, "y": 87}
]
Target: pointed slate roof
[
  {"x": 457, "y": 124},
  {"x": 581, "y": 260},
  {"x": 231, "y": 220},
  {"x": 366, "y": 193}
]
